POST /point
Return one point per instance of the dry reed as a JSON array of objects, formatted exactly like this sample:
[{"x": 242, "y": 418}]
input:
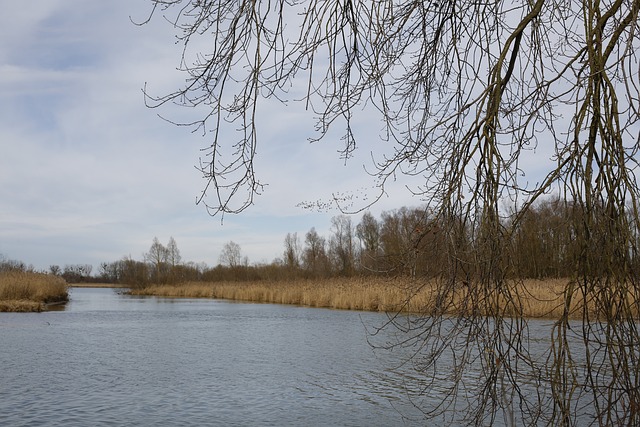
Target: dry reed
[
  {"x": 536, "y": 298},
  {"x": 98, "y": 285},
  {"x": 25, "y": 291}
]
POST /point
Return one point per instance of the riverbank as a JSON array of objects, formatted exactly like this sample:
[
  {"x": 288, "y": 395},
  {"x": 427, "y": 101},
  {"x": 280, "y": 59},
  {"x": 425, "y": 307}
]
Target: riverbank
[
  {"x": 97, "y": 285},
  {"x": 539, "y": 298},
  {"x": 28, "y": 292}
]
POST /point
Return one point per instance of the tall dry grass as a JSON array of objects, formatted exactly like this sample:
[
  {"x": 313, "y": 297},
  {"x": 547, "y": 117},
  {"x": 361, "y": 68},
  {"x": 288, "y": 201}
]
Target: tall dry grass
[
  {"x": 536, "y": 298},
  {"x": 351, "y": 294},
  {"x": 26, "y": 291}
]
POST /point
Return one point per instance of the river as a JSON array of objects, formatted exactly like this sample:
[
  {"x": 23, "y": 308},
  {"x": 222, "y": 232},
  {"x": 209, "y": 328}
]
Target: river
[
  {"x": 112, "y": 360},
  {"x": 108, "y": 359}
]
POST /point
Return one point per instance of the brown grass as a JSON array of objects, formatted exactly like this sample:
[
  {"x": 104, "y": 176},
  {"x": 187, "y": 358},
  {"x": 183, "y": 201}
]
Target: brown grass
[
  {"x": 536, "y": 298},
  {"x": 98, "y": 285},
  {"x": 351, "y": 294},
  {"x": 23, "y": 291}
]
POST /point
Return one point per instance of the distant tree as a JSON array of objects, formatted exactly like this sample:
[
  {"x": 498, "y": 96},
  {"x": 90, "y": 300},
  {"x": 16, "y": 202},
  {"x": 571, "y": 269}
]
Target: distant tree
[
  {"x": 85, "y": 270},
  {"x": 158, "y": 257},
  {"x": 55, "y": 270},
  {"x": 134, "y": 273},
  {"x": 342, "y": 245},
  {"x": 195, "y": 270},
  {"x": 400, "y": 234},
  {"x": 542, "y": 238},
  {"x": 173, "y": 253},
  {"x": 176, "y": 272},
  {"x": 71, "y": 273},
  {"x": 292, "y": 251},
  {"x": 76, "y": 273},
  {"x": 314, "y": 255},
  {"x": 231, "y": 255},
  {"x": 368, "y": 232},
  {"x": 110, "y": 272}
]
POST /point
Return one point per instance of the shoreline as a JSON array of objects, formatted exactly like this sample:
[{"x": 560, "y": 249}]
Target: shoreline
[
  {"x": 97, "y": 285},
  {"x": 537, "y": 298},
  {"x": 29, "y": 306}
]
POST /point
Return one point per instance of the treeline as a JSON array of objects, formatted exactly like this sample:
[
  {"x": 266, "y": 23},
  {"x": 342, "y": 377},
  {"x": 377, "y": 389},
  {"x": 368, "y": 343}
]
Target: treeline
[
  {"x": 409, "y": 242},
  {"x": 412, "y": 242},
  {"x": 163, "y": 265}
]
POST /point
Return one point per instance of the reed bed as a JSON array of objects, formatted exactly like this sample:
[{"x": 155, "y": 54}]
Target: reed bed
[
  {"x": 26, "y": 291},
  {"x": 350, "y": 294},
  {"x": 97, "y": 285},
  {"x": 529, "y": 298}
]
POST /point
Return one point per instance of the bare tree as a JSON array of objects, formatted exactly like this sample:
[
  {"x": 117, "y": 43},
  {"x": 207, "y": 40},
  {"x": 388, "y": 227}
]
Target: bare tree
[
  {"x": 85, "y": 269},
  {"x": 368, "y": 232},
  {"x": 342, "y": 245},
  {"x": 133, "y": 273},
  {"x": 173, "y": 253},
  {"x": 292, "y": 250},
  {"x": 314, "y": 257},
  {"x": 157, "y": 257},
  {"x": 466, "y": 90},
  {"x": 231, "y": 255}
]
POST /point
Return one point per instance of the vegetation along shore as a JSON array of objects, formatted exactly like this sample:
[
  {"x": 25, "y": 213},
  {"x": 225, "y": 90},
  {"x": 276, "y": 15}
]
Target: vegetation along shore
[
  {"x": 25, "y": 291},
  {"x": 545, "y": 298}
]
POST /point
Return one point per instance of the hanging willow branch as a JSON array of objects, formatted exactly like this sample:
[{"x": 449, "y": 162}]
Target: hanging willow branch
[{"x": 468, "y": 93}]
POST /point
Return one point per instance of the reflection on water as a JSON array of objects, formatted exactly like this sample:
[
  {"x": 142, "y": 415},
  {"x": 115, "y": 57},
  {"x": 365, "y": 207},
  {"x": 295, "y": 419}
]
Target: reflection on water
[{"x": 111, "y": 359}]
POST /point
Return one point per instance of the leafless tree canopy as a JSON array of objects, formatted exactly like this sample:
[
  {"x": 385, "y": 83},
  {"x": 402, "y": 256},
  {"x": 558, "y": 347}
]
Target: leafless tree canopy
[
  {"x": 466, "y": 91},
  {"x": 231, "y": 254}
]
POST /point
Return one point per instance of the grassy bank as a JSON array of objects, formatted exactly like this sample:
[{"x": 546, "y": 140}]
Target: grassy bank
[
  {"x": 537, "y": 298},
  {"x": 24, "y": 291},
  {"x": 97, "y": 285}
]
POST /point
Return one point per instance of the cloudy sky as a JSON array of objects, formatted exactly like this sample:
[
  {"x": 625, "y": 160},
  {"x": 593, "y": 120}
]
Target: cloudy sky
[{"x": 89, "y": 174}]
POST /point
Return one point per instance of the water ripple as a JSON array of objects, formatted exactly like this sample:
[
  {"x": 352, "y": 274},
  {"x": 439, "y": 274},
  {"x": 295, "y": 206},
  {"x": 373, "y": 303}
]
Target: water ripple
[{"x": 112, "y": 361}]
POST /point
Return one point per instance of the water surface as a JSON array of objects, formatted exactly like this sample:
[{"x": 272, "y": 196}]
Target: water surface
[{"x": 111, "y": 360}]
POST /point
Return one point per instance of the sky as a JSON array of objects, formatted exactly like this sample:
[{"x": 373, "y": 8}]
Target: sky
[{"x": 89, "y": 174}]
